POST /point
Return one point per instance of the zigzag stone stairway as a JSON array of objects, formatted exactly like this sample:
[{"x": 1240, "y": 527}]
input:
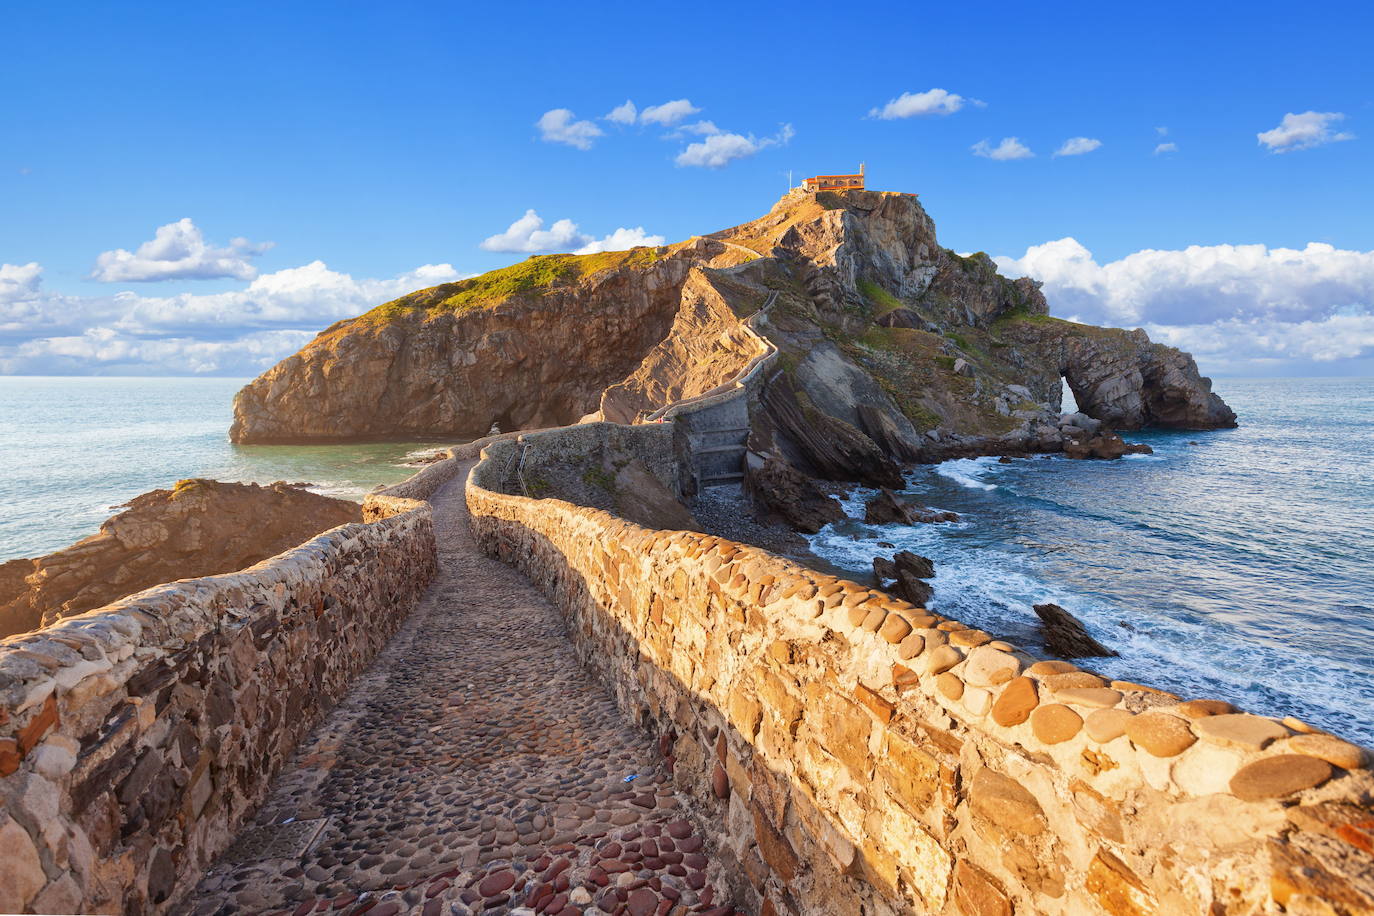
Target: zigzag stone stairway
[{"x": 475, "y": 768}]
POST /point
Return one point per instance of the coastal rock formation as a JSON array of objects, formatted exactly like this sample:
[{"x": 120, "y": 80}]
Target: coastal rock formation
[
  {"x": 889, "y": 348},
  {"x": 780, "y": 490},
  {"x": 198, "y": 528},
  {"x": 1106, "y": 445},
  {"x": 888, "y": 508},
  {"x": 1065, "y": 635}
]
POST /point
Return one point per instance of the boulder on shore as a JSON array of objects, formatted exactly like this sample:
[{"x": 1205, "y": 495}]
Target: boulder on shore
[
  {"x": 780, "y": 490},
  {"x": 1065, "y": 635}
]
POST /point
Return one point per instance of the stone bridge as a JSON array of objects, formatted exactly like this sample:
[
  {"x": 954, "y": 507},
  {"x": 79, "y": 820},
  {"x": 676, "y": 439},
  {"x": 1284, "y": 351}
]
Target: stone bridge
[{"x": 481, "y": 702}]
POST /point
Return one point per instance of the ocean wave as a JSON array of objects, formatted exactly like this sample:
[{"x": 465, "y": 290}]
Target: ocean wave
[{"x": 969, "y": 472}]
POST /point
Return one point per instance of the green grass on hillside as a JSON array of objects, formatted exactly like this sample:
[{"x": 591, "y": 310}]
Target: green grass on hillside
[
  {"x": 540, "y": 272},
  {"x": 881, "y": 300}
]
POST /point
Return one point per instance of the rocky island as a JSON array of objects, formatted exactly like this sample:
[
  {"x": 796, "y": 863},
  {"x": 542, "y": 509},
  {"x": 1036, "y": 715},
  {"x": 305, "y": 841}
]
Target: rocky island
[{"x": 890, "y": 348}]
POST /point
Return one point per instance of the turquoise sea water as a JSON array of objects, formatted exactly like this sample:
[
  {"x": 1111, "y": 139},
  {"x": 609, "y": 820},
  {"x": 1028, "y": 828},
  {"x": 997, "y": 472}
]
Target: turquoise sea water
[
  {"x": 72, "y": 449},
  {"x": 1236, "y": 564}
]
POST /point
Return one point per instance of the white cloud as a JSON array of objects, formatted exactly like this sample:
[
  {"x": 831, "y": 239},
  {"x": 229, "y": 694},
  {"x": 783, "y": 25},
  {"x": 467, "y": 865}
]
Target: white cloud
[
  {"x": 37, "y": 325},
  {"x": 561, "y": 126},
  {"x": 1162, "y": 131},
  {"x": 19, "y": 281},
  {"x": 621, "y": 240},
  {"x": 178, "y": 251},
  {"x": 622, "y": 114},
  {"x": 1200, "y": 284},
  {"x": 719, "y": 149},
  {"x": 1303, "y": 131},
  {"x": 1241, "y": 344},
  {"x": 700, "y": 128},
  {"x": 916, "y": 104},
  {"x": 1238, "y": 308},
  {"x": 668, "y": 113},
  {"x": 106, "y": 351},
  {"x": 1009, "y": 148},
  {"x": 527, "y": 234},
  {"x": 1163, "y": 148},
  {"x": 1077, "y": 146}
]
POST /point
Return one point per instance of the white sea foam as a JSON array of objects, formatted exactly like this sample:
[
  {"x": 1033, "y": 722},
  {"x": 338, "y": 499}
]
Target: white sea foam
[{"x": 969, "y": 472}]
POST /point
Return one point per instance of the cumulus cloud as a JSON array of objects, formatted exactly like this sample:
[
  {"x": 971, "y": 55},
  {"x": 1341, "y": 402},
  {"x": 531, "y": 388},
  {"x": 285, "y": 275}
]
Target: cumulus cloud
[
  {"x": 668, "y": 113},
  {"x": 1314, "y": 303},
  {"x": 1303, "y": 131},
  {"x": 1077, "y": 146},
  {"x": 1163, "y": 148},
  {"x": 621, "y": 240},
  {"x": 623, "y": 114},
  {"x": 1009, "y": 148},
  {"x": 721, "y": 148},
  {"x": 107, "y": 351},
  {"x": 560, "y": 125},
  {"x": 917, "y": 104},
  {"x": 240, "y": 331},
  {"x": 19, "y": 281},
  {"x": 178, "y": 251},
  {"x": 527, "y": 234}
]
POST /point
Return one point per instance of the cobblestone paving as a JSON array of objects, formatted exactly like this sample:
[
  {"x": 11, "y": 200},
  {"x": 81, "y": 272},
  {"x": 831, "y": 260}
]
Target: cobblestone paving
[{"x": 475, "y": 768}]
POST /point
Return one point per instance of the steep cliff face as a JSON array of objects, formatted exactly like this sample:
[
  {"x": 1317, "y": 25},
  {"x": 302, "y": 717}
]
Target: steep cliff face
[
  {"x": 890, "y": 347},
  {"x": 198, "y": 528},
  {"x": 532, "y": 345}
]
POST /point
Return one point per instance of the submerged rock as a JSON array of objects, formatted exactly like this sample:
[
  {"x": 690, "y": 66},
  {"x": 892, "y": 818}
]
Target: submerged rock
[{"x": 1065, "y": 636}]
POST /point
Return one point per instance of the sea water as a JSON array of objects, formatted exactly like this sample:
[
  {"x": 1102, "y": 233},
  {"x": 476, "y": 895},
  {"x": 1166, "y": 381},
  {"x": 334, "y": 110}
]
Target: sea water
[
  {"x": 73, "y": 449},
  {"x": 1235, "y": 564}
]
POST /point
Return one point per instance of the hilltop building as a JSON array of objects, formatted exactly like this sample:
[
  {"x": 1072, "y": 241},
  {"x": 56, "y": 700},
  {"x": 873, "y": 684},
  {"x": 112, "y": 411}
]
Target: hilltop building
[{"x": 835, "y": 182}]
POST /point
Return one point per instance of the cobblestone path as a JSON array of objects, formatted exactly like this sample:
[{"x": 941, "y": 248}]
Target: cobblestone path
[{"x": 474, "y": 768}]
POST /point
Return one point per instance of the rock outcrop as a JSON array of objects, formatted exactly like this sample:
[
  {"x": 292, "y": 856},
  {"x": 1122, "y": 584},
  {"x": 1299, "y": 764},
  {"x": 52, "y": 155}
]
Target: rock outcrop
[
  {"x": 781, "y": 491},
  {"x": 888, "y": 508},
  {"x": 1066, "y": 636},
  {"x": 890, "y": 348},
  {"x": 198, "y": 528},
  {"x": 1106, "y": 446}
]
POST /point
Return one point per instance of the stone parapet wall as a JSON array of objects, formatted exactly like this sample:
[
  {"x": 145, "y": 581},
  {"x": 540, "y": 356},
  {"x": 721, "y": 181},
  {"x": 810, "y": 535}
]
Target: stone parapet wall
[
  {"x": 136, "y": 738},
  {"x": 850, "y": 753}
]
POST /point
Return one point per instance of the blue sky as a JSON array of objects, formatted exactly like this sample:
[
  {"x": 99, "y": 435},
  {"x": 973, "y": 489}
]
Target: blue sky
[{"x": 376, "y": 147}]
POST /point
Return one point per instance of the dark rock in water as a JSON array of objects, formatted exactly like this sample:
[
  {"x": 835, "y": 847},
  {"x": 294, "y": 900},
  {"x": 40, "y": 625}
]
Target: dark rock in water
[
  {"x": 886, "y": 545},
  {"x": 1065, "y": 636},
  {"x": 885, "y": 509},
  {"x": 904, "y": 561},
  {"x": 1105, "y": 445},
  {"x": 919, "y": 566},
  {"x": 909, "y": 588},
  {"x": 1005, "y": 459},
  {"x": 888, "y": 508},
  {"x": 883, "y": 568},
  {"x": 781, "y": 490}
]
